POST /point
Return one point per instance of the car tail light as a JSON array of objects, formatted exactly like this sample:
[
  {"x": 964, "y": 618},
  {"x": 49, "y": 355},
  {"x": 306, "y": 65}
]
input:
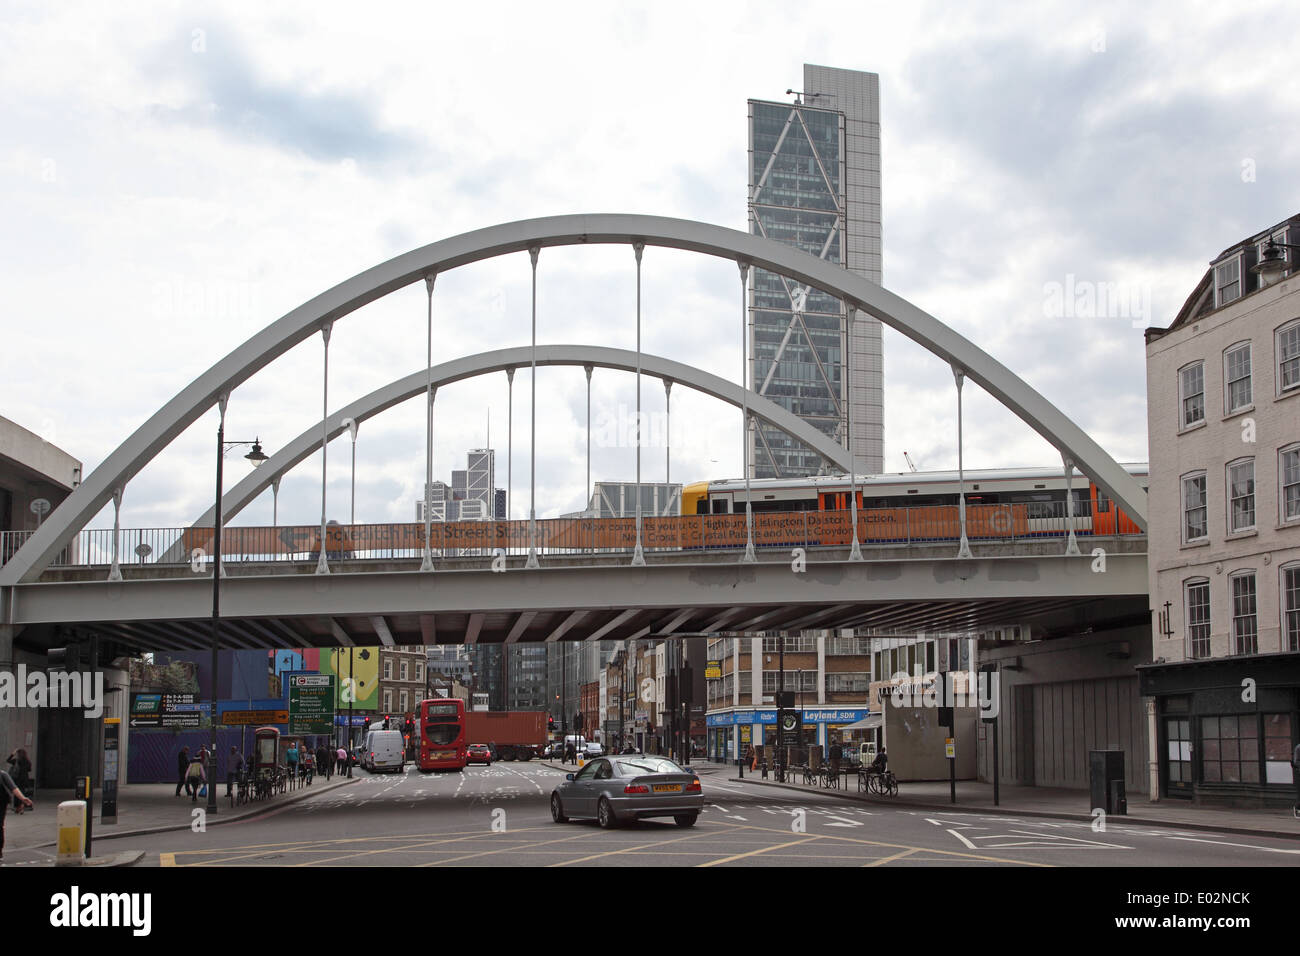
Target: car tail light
[
  {"x": 636, "y": 788},
  {"x": 693, "y": 786}
]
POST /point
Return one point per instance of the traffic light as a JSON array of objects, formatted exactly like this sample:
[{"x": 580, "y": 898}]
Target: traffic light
[
  {"x": 550, "y": 722},
  {"x": 64, "y": 658},
  {"x": 386, "y": 721}
]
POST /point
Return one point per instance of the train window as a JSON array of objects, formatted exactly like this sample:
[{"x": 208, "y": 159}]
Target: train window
[
  {"x": 1103, "y": 503},
  {"x": 720, "y": 506}
]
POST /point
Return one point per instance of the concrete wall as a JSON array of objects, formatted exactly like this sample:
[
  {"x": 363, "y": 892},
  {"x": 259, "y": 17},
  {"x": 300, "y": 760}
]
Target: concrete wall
[
  {"x": 1070, "y": 696},
  {"x": 915, "y": 741},
  {"x": 30, "y": 468}
]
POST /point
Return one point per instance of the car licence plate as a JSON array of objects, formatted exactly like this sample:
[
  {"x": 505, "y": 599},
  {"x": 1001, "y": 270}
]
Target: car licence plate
[{"x": 668, "y": 788}]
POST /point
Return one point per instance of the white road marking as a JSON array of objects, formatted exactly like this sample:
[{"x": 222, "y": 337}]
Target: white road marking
[
  {"x": 1244, "y": 846},
  {"x": 960, "y": 837}
]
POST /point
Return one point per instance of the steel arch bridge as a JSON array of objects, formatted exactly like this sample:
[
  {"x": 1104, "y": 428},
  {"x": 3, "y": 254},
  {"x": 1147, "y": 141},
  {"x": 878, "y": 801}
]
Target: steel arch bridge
[
  {"x": 848, "y": 591},
  {"x": 428, "y": 261}
]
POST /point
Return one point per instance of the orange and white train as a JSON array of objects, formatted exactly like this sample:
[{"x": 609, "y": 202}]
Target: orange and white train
[{"x": 1000, "y": 501}]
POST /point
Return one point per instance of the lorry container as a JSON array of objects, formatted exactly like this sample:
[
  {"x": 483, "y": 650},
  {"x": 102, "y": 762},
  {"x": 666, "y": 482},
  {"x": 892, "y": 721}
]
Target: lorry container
[{"x": 516, "y": 734}]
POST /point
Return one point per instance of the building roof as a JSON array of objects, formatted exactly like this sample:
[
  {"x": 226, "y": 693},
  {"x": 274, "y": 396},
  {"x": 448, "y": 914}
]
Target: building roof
[{"x": 1201, "y": 299}]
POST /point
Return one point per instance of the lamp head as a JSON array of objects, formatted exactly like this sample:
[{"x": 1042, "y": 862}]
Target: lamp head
[{"x": 1271, "y": 265}]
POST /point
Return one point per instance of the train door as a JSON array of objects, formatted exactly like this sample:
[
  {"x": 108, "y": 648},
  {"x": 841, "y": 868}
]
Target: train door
[{"x": 1103, "y": 511}]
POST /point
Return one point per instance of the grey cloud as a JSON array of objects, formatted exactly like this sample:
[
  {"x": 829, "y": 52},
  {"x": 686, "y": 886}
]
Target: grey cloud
[{"x": 229, "y": 93}]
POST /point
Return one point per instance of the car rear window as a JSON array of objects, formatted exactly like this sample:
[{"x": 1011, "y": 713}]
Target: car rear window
[{"x": 631, "y": 767}]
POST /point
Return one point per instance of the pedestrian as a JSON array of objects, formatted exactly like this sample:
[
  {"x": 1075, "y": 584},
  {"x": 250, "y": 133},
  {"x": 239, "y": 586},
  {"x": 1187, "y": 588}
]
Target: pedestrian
[
  {"x": 345, "y": 765},
  {"x": 182, "y": 768},
  {"x": 11, "y": 791},
  {"x": 1295, "y": 777},
  {"x": 20, "y": 769},
  {"x": 291, "y": 758},
  {"x": 569, "y": 753},
  {"x": 233, "y": 766},
  {"x": 194, "y": 777}
]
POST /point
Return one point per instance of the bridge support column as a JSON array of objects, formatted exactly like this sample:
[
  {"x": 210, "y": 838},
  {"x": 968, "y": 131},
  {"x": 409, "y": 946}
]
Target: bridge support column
[
  {"x": 855, "y": 551},
  {"x": 532, "y": 441},
  {"x": 749, "y": 557},
  {"x": 963, "y": 550},
  {"x": 429, "y": 391},
  {"x": 1072, "y": 543},
  {"x": 587, "y": 491},
  {"x": 510, "y": 443},
  {"x": 638, "y": 554},
  {"x": 322, "y": 564},
  {"x": 275, "y": 501},
  {"x": 8, "y": 715},
  {"x": 115, "y": 572},
  {"x": 668, "y": 431}
]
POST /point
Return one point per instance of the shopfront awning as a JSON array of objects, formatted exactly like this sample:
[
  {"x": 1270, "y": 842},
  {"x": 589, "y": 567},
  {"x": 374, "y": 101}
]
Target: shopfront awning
[{"x": 869, "y": 722}]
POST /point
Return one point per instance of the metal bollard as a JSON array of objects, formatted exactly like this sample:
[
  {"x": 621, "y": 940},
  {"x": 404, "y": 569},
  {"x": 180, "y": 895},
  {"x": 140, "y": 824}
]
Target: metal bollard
[{"x": 740, "y": 765}]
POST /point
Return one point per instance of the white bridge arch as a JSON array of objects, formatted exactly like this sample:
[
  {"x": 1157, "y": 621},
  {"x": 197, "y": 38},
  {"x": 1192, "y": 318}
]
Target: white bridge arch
[
  {"x": 485, "y": 363},
  {"x": 348, "y": 296}
]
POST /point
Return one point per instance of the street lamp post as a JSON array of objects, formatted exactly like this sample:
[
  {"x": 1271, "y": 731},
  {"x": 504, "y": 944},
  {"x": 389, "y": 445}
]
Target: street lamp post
[{"x": 256, "y": 457}]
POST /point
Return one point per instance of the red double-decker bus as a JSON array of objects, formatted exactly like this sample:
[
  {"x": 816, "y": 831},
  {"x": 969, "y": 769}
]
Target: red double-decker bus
[{"x": 442, "y": 734}]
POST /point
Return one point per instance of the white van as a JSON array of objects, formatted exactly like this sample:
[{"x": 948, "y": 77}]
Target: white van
[{"x": 383, "y": 751}]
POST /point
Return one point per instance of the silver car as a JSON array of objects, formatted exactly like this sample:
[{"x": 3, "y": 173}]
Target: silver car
[{"x": 629, "y": 787}]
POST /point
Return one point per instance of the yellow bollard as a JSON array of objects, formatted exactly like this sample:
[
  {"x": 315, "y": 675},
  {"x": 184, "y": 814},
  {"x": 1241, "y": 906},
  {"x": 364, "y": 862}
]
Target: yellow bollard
[{"x": 71, "y": 823}]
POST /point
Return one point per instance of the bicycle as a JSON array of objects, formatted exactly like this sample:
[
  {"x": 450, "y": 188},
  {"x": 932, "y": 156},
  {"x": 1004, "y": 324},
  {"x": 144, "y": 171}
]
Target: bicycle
[{"x": 883, "y": 783}]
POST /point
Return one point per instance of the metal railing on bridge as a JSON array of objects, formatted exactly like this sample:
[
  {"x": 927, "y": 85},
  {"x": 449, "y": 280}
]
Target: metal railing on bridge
[{"x": 1008, "y": 524}]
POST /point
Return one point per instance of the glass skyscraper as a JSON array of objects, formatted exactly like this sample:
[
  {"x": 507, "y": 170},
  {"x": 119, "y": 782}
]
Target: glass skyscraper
[{"x": 814, "y": 183}]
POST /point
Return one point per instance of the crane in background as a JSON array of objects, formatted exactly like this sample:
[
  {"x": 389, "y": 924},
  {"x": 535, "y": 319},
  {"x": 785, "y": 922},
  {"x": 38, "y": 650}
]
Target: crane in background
[{"x": 908, "y": 459}]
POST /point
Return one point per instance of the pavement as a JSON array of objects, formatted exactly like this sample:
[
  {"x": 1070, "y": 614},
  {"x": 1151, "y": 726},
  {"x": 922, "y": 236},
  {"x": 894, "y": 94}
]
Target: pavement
[
  {"x": 1057, "y": 804},
  {"x": 144, "y": 808}
]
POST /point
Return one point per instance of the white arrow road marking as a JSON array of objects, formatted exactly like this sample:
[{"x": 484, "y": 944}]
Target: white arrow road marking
[
  {"x": 845, "y": 822},
  {"x": 960, "y": 837}
]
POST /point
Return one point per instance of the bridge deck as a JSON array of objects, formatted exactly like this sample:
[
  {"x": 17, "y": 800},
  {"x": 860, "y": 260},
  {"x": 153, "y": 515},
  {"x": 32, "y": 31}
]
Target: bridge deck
[{"x": 591, "y": 597}]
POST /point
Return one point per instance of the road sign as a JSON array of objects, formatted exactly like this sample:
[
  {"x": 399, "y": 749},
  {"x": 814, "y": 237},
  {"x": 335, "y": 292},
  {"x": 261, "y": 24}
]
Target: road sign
[
  {"x": 237, "y": 718},
  {"x": 146, "y": 704},
  {"x": 173, "y": 711},
  {"x": 187, "y": 721},
  {"x": 311, "y": 704}
]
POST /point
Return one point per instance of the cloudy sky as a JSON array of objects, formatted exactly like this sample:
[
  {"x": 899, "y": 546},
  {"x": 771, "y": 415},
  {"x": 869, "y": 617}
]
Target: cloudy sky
[{"x": 174, "y": 177}]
